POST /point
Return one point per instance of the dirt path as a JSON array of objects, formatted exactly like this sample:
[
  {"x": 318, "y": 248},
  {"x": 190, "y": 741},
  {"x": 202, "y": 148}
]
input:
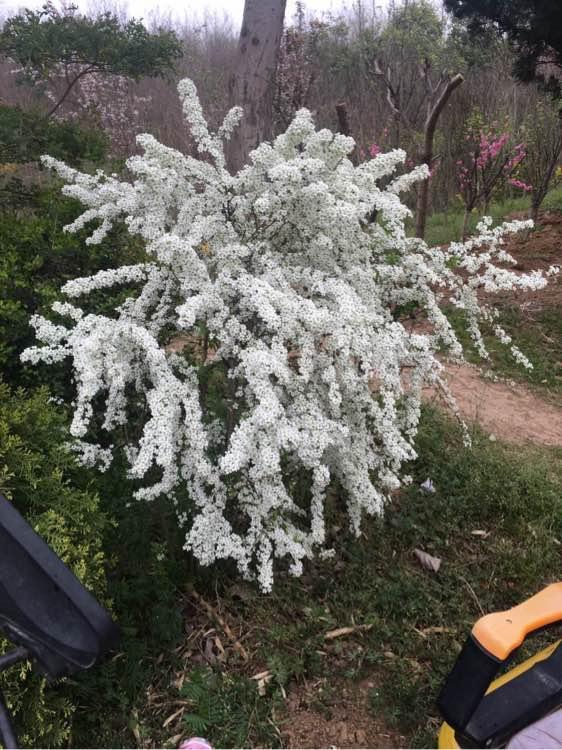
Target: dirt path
[{"x": 512, "y": 413}]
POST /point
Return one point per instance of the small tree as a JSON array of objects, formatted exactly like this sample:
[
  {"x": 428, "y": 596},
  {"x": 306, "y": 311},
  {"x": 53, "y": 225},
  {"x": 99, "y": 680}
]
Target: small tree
[
  {"x": 62, "y": 48},
  {"x": 490, "y": 161},
  {"x": 295, "y": 73},
  {"x": 287, "y": 300},
  {"x": 543, "y": 136}
]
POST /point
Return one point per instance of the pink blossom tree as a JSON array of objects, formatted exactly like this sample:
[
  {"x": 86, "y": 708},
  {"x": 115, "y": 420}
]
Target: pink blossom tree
[{"x": 491, "y": 161}]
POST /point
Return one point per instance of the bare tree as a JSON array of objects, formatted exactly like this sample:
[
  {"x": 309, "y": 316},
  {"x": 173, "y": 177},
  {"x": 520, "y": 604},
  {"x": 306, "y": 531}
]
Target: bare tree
[
  {"x": 252, "y": 83},
  {"x": 438, "y": 96},
  {"x": 542, "y": 132}
]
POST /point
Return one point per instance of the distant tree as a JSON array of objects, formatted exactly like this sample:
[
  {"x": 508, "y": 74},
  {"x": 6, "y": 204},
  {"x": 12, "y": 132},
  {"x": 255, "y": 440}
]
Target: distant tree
[
  {"x": 418, "y": 66},
  {"x": 412, "y": 57},
  {"x": 295, "y": 70},
  {"x": 535, "y": 29},
  {"x": 542, "y": 131},
  {"x": 49, "y": 45}
]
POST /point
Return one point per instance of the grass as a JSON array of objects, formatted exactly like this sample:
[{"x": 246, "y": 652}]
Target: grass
[
  {"x": 445, "y": 227},
  {"x": 512, "y": 496},
  {"x": 418, "y": 619}
]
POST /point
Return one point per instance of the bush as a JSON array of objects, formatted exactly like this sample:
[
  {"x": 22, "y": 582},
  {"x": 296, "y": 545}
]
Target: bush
[
  {"x": 44, "y": 483},
  {"x": 285, "y": 298},
  {"x": 26, "y": 136},
  {"x": 37, "y": 255}
]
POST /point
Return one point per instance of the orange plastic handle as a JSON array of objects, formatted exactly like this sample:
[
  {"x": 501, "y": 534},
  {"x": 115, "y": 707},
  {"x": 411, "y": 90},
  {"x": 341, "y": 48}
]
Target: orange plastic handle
[{"x": 502, "y": 632}]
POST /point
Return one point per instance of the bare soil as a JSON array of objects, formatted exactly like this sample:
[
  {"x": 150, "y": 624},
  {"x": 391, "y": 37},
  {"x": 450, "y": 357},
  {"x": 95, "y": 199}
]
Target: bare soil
[
  {"x": 508, "y": 411},
  {"x": 538, "y": 250},
  {"x": 344, "y": 720}
]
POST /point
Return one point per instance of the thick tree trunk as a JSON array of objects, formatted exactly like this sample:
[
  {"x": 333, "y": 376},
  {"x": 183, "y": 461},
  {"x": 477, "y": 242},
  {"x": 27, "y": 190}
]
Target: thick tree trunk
[
  {"x": 251, "y": 85},
  {"x": 427, "y": 156}
]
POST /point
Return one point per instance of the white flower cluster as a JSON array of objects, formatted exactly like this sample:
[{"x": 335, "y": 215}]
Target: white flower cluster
[{"x": 293, "y": 293}]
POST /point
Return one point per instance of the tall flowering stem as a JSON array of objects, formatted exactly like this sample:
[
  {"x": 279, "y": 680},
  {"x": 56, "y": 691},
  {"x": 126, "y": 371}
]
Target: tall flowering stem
[{"x": 263, "y": 357}]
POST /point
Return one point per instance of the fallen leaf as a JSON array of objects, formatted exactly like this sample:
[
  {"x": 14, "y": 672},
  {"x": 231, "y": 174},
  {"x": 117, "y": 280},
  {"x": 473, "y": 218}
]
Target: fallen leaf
[
  {"x": 208, "y": 651},
  {"x": 134, "y": 726},
  {"x": 339, "y": 632},
  {"x": 427, "y": 561},
  {"x": 175, "y": 740},
  {"x": 428, "y": 487}
]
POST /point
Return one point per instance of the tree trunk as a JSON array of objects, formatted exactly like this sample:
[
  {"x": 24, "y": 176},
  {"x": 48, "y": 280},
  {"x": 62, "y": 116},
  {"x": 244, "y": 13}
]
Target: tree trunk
[
  {"x": 465, "y": 219},
  {"x": 251, "y": 85},
  {"x": 345, "y": 129},
  {"x": 427, "y": 156},
  {"x": 535, "y": 212},
  {"x": 540, "y": 191}
]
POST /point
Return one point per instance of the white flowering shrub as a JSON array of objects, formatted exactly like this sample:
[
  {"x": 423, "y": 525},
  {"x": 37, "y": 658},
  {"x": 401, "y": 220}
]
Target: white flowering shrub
[{"x": 297, "y": 367}]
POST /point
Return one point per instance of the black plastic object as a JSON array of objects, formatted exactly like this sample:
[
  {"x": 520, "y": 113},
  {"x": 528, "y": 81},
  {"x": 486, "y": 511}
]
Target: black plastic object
[
  {"x": 490, "y": 720},
  {"x": 516, "y": 704},
  {"x": 43, "y": 607},
  {"x": 467, "y": 683}
]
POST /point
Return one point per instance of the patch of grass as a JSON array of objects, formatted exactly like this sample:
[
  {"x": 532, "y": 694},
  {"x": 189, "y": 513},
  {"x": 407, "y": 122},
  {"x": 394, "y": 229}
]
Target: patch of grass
[
  {"x": 540, "y": 340},
  {"x": 553, "y": 201},
  {"x": 445, "y": 227}
]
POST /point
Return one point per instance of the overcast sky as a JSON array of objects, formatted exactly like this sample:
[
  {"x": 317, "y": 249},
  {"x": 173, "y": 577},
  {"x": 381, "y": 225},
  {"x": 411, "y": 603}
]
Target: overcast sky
[{"x": 189, "y": 8}]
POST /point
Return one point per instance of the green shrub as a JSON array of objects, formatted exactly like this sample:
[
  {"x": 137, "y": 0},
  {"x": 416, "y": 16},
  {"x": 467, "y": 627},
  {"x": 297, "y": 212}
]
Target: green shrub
[
  {"x": 37, "y": 258},
  {"x": 26, "y": 136},
  {"x": 42, "y": 480}
]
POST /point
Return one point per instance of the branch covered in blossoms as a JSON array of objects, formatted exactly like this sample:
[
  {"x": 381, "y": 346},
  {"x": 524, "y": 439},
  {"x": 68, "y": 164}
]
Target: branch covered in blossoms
[{"x": 263, "y": 357}]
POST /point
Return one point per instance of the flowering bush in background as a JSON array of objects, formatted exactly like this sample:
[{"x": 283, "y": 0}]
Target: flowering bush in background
[
  {"x": 112, "y": 102},
  {"x": 490, "y": 161},
  {"x": 264, "y": 357}
]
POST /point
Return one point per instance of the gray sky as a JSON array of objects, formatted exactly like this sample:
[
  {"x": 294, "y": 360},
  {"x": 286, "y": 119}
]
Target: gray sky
[{"x": 188, "y": 8}]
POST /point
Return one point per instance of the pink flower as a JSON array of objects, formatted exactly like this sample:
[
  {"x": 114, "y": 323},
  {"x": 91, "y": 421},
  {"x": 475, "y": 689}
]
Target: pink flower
[
  {"x": 374, "y": 150},
  {"x": 520, "y": 184}
]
